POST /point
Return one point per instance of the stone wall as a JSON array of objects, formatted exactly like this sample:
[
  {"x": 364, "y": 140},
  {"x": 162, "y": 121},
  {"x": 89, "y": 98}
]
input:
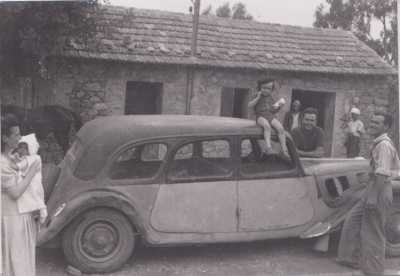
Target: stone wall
[
  {"x": 97, "y": 88},
  {"x": 374, "y": 94}
]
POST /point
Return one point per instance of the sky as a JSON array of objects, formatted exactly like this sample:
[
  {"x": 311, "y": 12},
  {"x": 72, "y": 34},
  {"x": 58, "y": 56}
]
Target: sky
[{"x": 288, "y": 12}]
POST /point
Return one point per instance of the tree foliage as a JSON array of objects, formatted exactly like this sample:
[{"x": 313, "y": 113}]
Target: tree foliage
[
  {"x": 358, "y": 16},
  {"x": 238, "y": 11},
  {"x": 30, "y": 32},
  {"x": 224, "y": 10},
  {"x": 207, "y": 10}
]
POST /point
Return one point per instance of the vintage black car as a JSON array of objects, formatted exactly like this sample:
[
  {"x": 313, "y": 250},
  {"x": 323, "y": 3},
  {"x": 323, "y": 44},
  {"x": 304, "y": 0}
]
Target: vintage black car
[{"x": 175, "y": 179}]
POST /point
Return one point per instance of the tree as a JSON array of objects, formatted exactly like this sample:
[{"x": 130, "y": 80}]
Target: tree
[
  {"x": 238, "y": 11},
  {"x": 31, "y": 32},
  {"x": 207, "y": 11},
  {"x": 358, "y": 16},
  {"x": 224, "y": 10}
]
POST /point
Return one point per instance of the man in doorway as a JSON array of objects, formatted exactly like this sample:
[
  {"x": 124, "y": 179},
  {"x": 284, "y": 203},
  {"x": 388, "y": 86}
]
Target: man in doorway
[
  {"x": 292, "y": 117},
  {"x": 309, "y": 138},
  {"x": 362, "y": 243},
  {"x": 355, "y": 129}
]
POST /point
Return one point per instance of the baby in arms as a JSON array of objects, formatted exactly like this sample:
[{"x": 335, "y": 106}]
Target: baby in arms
[{"x": 33, "y": 198}]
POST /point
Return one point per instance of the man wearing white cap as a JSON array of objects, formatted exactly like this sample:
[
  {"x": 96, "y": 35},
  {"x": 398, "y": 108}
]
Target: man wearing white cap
[{"x": 355, "y": 128}]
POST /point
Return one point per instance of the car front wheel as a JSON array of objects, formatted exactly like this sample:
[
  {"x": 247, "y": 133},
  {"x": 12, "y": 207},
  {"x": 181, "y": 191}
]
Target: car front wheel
[{"x": 99, "y": 240}]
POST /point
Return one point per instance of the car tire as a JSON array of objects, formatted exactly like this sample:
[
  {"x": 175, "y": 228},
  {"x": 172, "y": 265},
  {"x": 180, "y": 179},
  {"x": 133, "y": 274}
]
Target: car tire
[
  {"x": 392, "y": 229},
  {"x": 98, "y": 241}
]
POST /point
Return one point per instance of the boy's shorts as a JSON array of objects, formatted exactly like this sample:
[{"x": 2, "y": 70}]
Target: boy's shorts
[{"x": 266, "y": 115}]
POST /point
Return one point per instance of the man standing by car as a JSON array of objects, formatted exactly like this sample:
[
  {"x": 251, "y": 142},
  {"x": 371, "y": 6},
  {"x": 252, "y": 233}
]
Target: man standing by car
[
  {"x": 309, "y": 138},
  {"x": 362, "y": 242}
]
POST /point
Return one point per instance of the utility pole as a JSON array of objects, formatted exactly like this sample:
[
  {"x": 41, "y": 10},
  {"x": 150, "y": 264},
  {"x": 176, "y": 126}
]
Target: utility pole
[
  {"x": 196, "y": 15},
  {"x": 397, "y": 96},
  {"x": 190, "y": 71}
]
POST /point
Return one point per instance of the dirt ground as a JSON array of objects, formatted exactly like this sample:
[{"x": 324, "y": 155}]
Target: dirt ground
[{"x": 281, "y": 257}]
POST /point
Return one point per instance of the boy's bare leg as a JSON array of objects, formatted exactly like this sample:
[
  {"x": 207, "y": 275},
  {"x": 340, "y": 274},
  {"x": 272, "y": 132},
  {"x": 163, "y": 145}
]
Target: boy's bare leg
[
  {"x": 267, "y": 133},
  {"x": 281, "y": 135}
]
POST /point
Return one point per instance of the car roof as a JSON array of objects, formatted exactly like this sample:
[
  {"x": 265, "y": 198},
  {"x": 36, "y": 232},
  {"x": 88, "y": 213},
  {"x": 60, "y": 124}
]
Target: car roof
[
  {"x": 102, "y": 136},
  {"x": 117, "y": 129}
]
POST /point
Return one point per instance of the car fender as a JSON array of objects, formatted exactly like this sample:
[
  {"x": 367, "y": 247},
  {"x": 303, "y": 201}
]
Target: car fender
[
  {"x": 83, "y": 202},
  {"x": 330, "y": 223}
]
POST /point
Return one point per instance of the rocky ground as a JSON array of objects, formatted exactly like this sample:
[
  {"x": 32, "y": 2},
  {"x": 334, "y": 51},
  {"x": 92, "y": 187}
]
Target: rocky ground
[{"x": 283, "y": 257}]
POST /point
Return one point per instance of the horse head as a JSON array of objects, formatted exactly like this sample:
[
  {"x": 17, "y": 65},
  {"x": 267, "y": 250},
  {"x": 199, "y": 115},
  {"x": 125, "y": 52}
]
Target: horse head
[{"x": 44, "y": 120}]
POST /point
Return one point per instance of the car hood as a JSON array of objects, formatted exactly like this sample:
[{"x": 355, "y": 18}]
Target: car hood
[{"x": 323, "y": 166}]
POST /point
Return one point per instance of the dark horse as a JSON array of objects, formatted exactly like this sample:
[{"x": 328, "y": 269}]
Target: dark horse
[{"x": 46, "y": 119}]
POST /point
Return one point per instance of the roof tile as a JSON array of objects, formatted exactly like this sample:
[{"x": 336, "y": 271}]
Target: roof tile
[{"x": 149, "y": 36}]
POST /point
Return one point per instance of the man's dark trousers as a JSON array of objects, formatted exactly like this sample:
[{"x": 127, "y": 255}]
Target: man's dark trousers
[{"x": 352, "y": 146}]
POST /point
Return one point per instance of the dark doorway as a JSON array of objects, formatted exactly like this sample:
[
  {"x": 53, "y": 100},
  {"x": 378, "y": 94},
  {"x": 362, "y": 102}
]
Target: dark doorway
[
  {"x": 234, "y": 102},
  {"x": 324, "y": 102},
  {"x": 143, "y": 97}
]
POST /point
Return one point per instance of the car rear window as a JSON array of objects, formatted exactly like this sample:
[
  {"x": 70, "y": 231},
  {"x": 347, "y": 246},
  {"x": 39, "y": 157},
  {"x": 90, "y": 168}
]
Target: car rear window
[{"x": 139, "y": 162}]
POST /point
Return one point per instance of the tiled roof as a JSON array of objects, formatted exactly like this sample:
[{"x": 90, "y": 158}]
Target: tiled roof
[{"x": 148, "y": 36}]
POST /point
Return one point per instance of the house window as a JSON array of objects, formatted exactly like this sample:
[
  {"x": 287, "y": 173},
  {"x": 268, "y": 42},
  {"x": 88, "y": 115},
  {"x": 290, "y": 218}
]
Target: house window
[
  {"x": 234, "y": 102},
  {"x": 143, "y": 97}
]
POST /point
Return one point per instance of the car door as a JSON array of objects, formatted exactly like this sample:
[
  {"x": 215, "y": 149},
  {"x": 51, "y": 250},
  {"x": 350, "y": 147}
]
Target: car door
[
  {"x": 200, "y": 196},
  {"x": 272, "y": 194}
]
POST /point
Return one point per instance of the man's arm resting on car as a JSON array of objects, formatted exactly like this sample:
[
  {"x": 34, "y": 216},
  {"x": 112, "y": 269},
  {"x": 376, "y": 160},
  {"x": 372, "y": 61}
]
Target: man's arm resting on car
[{"x": 317, "y": 153}]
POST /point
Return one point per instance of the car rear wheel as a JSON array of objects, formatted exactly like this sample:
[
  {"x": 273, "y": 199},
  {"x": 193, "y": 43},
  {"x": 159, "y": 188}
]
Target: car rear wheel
[
  {"x": 393, "y": 231},
  {"x": 100, "y": 240}
]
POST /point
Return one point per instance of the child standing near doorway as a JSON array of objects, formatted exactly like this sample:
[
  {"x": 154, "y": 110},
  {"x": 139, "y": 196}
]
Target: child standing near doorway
[
  {"x": 355, "y": 129},
  {"x": 265, "y": 107}
]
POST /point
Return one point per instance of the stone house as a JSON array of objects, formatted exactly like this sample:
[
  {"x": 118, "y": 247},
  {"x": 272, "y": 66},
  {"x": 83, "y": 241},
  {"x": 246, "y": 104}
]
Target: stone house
[{"x": 140, "y": 62}]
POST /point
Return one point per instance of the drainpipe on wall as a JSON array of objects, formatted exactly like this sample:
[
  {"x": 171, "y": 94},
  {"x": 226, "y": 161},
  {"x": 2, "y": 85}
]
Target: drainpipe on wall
[
  {"x": 190, "y": 70},
  {"x": 189, "y": 88},
  {"x": 397, "y": 95},
  {"x": 33, "y": 94},
  {"x": 397, "y": 115}
]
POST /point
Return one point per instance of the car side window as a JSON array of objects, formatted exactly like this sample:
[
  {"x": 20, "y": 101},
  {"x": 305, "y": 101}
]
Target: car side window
[
  {"x": 185, "y": 152},
  {"x": 202, "y": 160},
  {"x": 139, "y": 162},
  {"x": 254, "y": 163}
]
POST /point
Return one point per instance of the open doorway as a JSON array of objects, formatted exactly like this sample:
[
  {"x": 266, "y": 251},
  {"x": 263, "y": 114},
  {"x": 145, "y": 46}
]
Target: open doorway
[
  {"x": 324, "y": 102},
  {"x": 143, "y": 97},
  {"x": 234, "y": 102}
]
